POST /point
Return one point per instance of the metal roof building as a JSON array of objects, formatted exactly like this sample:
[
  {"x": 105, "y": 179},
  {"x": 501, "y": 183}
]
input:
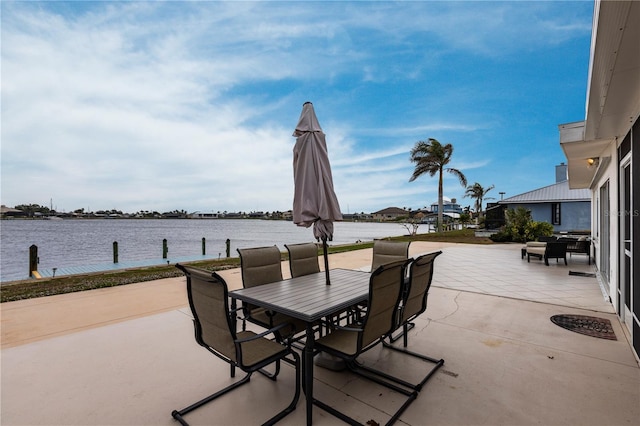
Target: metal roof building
[
  {"x": 568, "y": 210},
  {"x": 558, "y": 192}
]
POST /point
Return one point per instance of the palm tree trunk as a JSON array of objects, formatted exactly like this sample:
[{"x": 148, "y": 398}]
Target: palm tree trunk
[{"x": 440, "y": 201}]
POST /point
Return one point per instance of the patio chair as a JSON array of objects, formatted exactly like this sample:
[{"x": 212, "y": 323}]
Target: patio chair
[
  {"x": 578, "y": 245},
  {"x": 389, "y": 251},
  {"x": 350, "y": 341},
  {"x": 540, "y": 242},
  {"x": 416, "y": 291},
  {"x": 545, "y": 239},
  {"x": 262, "y": 265},
  {"x": 215, "y": 331},
  {"x": 414, "y": 303},
  {"x": 550, "y": 250},
  {"x": 303, "y": 259},
  {"x": 385, "y": 252}
]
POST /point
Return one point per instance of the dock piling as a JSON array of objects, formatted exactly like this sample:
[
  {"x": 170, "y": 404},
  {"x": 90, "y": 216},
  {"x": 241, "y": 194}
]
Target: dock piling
[
  {"x": 115, "y": 252},
  {"x": 33, "y": 260}
]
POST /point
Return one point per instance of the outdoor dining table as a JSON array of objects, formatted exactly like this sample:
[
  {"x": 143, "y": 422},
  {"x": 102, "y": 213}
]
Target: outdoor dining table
[{"x": 308, "y": 298}]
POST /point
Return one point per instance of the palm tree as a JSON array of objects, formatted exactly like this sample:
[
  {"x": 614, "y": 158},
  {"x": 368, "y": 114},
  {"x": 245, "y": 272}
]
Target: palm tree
[
  {"x": 477, "y": 192},
  {"x": 432, "y": 157}
]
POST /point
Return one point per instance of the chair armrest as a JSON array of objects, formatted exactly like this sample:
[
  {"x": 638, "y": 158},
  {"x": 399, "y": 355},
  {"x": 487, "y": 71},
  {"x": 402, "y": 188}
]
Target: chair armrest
[
  {"x": 356, "y": 329},
  {"x": 263, "y": 334},
  {"x": 331, "y": 323}
]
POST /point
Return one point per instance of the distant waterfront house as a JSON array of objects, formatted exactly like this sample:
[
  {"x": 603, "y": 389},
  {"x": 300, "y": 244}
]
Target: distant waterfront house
[
  {"x": 448, "y": 206},
  {"x": 356, "y": 216},
  {"x": 568, "y": 210},
  {"x": 603, "y": 154},
  {"x": 10, "y": 212},
  {"x": 390, "y": 213},
  {"x": 204, "y": 215}
]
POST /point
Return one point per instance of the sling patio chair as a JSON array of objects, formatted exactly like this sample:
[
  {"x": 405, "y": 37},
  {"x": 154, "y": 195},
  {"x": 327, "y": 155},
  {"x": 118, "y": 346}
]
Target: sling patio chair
[
  {"x": 262, "y": 265},
  {"x": 416, "y": 291},
  {"x": 389, "y": 251},
  {"x": 384, "y": 252},
  {"x": 350, "y": 341},
  {"x": 215, "y": 330},
  {"x": 303, "y": 259},
  {"x": 414, "y": 303}
]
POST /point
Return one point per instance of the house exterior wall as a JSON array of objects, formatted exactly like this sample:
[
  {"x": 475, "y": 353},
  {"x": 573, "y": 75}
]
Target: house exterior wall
[
  {"x": 610, "y": 135},
  {"x": 609, "y": 175},
  {"x": 613, "y": 278},
  {"x": 574, "y": 216},
  {"x": 635, "y": 243}
]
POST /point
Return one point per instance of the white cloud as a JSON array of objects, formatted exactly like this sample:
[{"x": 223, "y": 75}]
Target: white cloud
[{"x": 172, "y": 105}]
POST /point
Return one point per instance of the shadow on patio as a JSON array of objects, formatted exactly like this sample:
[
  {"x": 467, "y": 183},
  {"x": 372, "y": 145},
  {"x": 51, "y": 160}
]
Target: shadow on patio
[{"x": 126, "y": 355}]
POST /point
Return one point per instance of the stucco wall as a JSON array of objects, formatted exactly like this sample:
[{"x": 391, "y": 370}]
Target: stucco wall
[{"x": 574, "y": 216}]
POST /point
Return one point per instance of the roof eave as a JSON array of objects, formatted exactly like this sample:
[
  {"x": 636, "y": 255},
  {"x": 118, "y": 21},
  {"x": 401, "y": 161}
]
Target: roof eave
[{"x": 613, "y": 91}]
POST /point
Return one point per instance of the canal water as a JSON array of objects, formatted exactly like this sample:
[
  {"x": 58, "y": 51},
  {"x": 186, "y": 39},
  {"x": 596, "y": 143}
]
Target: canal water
[{"x": 77, "y": 242}]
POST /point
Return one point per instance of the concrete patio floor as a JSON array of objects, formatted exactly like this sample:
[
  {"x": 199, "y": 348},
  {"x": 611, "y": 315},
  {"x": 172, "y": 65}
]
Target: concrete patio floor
[{"x": 126, "y": 355}]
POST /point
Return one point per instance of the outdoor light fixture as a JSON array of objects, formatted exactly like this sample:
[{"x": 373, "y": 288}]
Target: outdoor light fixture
[{"x": 592, "y": 162}]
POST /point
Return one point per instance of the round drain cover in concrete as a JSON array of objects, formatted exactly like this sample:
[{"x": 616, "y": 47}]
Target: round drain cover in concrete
[{"x": 590, "y": 326}]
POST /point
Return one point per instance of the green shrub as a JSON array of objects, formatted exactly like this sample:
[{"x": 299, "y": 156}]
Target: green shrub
[
  {"x": 522, "y": 228},
  {"x": 533, "y": 230},
  {"x": 501, "y": 237},
  {"x": 517, "y": 221}
]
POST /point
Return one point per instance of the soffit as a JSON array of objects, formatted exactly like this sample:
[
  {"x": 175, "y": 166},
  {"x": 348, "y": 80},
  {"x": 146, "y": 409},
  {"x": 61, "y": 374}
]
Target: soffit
[
  {"x": 577, "y": 153},
  {"x": 613, "y": 101}
]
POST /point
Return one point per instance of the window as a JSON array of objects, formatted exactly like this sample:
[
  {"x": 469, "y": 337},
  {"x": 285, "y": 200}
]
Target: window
[{"x": 555, "y": 213}]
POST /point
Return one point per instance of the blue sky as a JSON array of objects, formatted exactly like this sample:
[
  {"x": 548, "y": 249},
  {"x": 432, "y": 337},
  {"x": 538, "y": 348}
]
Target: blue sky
[{"x": 191, "y": 105}]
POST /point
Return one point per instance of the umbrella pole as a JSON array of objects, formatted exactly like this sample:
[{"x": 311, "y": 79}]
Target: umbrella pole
[{"x": 326, "y": 259}]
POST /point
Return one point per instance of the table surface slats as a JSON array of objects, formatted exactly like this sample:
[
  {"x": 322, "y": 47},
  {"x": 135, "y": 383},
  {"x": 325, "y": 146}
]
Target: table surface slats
[{"x": 308, "y": 297}]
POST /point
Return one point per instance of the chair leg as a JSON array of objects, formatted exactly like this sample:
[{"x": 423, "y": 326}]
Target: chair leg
[
  {"x": 329, "y": 409},
  {"x": 178, "y": 414},
  {"x": 380, "y": 378},
  {"x": 438, "y": 363},
  {"x": 388, "y": 381},
  {"x": 273, "y": 376},
  {"x": 403, "y": 333},
  {"x": 296, "y": 396}
]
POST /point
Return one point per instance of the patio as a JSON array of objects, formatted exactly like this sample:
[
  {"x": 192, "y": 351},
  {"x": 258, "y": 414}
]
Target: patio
[{"x": 126, "y": 355}]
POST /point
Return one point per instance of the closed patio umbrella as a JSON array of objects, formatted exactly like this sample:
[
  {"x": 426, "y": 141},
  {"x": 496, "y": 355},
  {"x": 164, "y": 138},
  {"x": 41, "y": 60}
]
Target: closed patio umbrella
[{"x": 314, "y": 201}]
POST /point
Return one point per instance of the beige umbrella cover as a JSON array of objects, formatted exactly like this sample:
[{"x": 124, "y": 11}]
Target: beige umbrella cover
[{"x": 314, "y": 201}]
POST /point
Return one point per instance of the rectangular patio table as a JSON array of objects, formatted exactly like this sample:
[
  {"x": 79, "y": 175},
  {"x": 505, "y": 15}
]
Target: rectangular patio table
[{"x": 309, "y": 299}]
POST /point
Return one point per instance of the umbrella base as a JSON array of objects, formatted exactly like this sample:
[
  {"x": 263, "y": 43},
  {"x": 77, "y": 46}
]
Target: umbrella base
[{"x": 329, "y": 362}]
